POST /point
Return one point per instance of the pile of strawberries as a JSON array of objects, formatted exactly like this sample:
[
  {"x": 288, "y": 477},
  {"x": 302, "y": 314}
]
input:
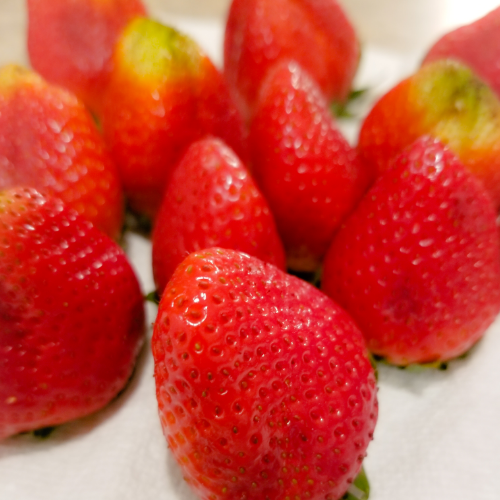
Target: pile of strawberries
[{"x": 265, "y": 383}]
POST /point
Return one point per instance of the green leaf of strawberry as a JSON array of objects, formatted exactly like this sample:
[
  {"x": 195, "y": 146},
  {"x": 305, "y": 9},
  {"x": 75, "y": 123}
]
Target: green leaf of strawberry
[
  {"x": 341, "y": 109},
  {"x": 359, "y": 489}
]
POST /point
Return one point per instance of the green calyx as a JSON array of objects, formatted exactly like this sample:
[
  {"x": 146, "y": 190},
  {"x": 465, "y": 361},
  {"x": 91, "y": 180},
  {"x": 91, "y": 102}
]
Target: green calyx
[
  {"x": 153, "y": 297},
  {"x": 44, "y": 432},
  {"x": 456, "y": 105},
  {"x": 359, "y": 489},
  {"x": 152, "y": 51},
  {"x": 343, "y": 109}
]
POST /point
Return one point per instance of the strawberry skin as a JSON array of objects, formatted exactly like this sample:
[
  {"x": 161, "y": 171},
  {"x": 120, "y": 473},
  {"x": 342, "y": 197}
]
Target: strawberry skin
[
  {"x": 71, "y": 43},
  {"x": 164, "y": 93},
  {"x": 211, "y": 200},
  {"x": 446, "y": 100},
  {"x": 49, "y": 141},
  {"x": 311, "y": 177},
  {"x": 316, "y": 33},
  {"x": 417, "y": 264},
  {"x": 71, "y": 314},
  {"x": 264, "y": 387},
  {"x": 477, "y": 45}
]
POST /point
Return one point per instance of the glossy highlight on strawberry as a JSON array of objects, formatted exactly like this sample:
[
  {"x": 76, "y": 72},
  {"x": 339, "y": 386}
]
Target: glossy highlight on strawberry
[
  {"x": 71, "y": 314},
  {"x": 71, "y": 43},
  {"x": 417, "y": 264},
  {"x": 310, "y": 175},
  {"x": 264, "y": 387},
  {"x": 315, "y": 33},
  {"x": 164, "y": 93},
  {"x": 49, "y": 141},
  {"x": 211, "y": 200}
]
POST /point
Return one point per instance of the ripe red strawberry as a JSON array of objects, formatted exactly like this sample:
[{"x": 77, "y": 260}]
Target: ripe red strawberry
[
  {"x": 264, "y": 387},
  {"x": 49, "y": 141},
  {"x": 164, "y": 93},
  {"x": 477, "y": 45},
  {"x": 445, "y": 100},
  {"x": 307, "y": 171},
  {"x": 71, "y": 42},
  {"x": 71, "y": 314},
  {"x": 316, "y": 33},
  {"x": 211, "y": 200},
  {"x": 417, "y": 264}
]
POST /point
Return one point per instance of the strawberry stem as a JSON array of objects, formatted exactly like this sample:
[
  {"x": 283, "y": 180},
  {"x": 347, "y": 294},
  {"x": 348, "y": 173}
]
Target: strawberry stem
[
  {"x": 341, "y": 110},
  {"x": 312, "y": 277},
  {"x": 44, "y": 432},
  {"x": 152, "y": 297},
  {"x": 355, "y": 492},
  {"x": 137, "y": 223},
  {"x": 359, "y": 489}
]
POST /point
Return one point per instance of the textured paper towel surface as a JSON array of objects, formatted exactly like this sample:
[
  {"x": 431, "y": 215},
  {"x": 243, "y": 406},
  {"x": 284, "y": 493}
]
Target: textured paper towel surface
[{"x": 437, "y": 436}]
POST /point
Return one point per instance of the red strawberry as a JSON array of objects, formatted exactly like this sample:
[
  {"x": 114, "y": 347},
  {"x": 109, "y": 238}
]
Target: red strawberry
[
  {"x": 71, "y": 42},
  {"x": 316, "y": 33},
  {"x": 264, "y": 387},
  {"x": 445, "y": 100},
  {"x": 71, "y": 314},
  {"x": 49, "y": 141},
  {"x": 164, "y": 93},
  {"x": 477, "y": 45},
  {"x": 417, "y": 264},
  {"x": 212, "y": 201},
  {"x": 307, "y": 171}
]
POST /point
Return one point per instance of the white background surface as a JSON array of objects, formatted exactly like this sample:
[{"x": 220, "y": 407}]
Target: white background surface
[{"x": 438, "y": 434}]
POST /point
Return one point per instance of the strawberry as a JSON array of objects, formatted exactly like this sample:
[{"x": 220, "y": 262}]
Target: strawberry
[
  {"x": 316, "y": 33},
  {"x": 211, "y": 200},
  {"x": 307, "y": 171},
  {"x": 417, "y": 264},
  {"x": 49, "y": 141},
  {"x": 164, "y": 93},
  {"x": 71, "y": 42},
  {"x": 477, "y": 45},
  {"x": 71, "y": 314},
  {"x": 264, "y": 387},
  {"x": 446, "y": 100}
]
